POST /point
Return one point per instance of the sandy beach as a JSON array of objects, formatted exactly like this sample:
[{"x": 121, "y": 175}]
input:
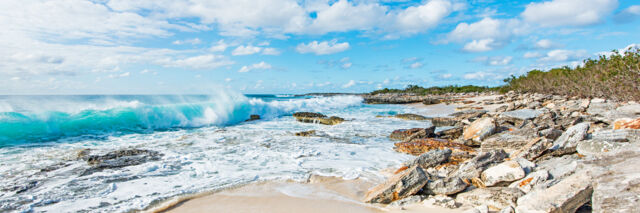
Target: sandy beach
[{"x": 319, "y": 194}]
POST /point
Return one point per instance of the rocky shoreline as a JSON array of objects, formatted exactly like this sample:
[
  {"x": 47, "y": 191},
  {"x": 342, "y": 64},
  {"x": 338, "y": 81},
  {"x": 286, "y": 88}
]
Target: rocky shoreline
[{"x": 517, "y": 153}]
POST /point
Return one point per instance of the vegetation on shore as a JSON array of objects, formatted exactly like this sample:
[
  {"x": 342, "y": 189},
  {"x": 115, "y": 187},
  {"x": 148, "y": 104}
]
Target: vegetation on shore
[{"x": 613, "y": 77}]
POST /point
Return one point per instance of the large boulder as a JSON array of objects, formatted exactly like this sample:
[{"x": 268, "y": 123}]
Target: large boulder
[
  {"x": 565, "y": 196},
  {"x": 311, "y": 117},
  {"x": 496, "y": 198},
  {"x": 473, "y": 167},
  {"x": 419, "y": 146},
  {"x": 400, "y": 186},
  {"x": 480, "y": 129},
  {"x": 570, "y": 138},
  {"x": 507, "y": 171},
  {"x": 430, "y": 159}
]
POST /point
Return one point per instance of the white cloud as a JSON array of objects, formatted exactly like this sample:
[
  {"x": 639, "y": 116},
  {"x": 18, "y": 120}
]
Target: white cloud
[
  {"x": 261, "y": 65},
  {"x": 347, "y": 65},
  {"x": 415, "y": 65},
  {"x": 121, "y": 75},
  {"x": 270, "y": 51},
  {"x": 208, "y": 61},
  {"x": 495, "y": 60},
  {"x": 322, "y": 48},
  {"x": 568, "y": 12},
  {"x": 628, "y": 15},
  {"x": 219, "y": 46},
  {"x": 532, "y": 55},
  {"x": 228, "y": 80},
  {"x": 480, "y": 45},
  {"x": 246, "y": 50},
  {"x": 193, "y": 41},
  {"x": 480, "y": 76},
  {"x": 446, "y": 76},
  {"x": 564, "y": 55},
  {"x": 544, "y": 44},
  {"x": 349, "y": 84}
]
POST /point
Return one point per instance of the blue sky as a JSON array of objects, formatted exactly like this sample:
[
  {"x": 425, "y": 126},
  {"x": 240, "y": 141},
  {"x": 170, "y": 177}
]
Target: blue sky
[{"x": 289, "y": 46}]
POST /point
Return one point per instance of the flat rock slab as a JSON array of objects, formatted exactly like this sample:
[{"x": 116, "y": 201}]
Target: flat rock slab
[
  {"x": 617, "y": 135},
  {"x": 565, "y": 196},
  {"x": 571, "y": 137},
  {"x": 400, "y": 186},
  {"x": 507, "y": 171},
  {"x": 495, "y": 198},
  {"x": 523, "y": 114},
  {"x": 532, "y": 180},
  {"x": 409, "y": 116},
  {"x": 598, "y": 147},
  {"x": 419, "y": 146},
  {"x": 480, "y": 129}
]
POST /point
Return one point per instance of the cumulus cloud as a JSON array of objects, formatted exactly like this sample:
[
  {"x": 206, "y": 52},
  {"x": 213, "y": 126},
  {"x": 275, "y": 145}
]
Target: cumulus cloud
[
  {"x": 415, "y": 65},
  {"x": 544, "y": 44},
  {"x": 192, "y": 41},
  {"x": 349, "y": 84},
  {"x": 246, "y": 50},
  {"x": 207, "y": 61},
  {"x": 323, "y": 48},
  {"x": 494, "y": 61},
  {"x": 564, "y": 55},
  {"x": 261, "y": 65},
  {"x": 480, "y": 45},
  {"x": 532, "y": 55},
  {"x": 219, "y": 46},
  {"x": 486, "y": 34},
  {"x": 568, "y": 12}
]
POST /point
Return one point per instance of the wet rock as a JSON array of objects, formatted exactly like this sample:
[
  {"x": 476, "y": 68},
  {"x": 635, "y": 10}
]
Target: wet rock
[
  {"x": 617, "y": 135},
  {"x": 480, "y": 129},
  {"x": 306, "y": 133},
  {"x": 444, "y": 121},
  {"x": 22, "y": 187},
  {"x": 532, "y": 149},
  {"x": 532, "y": 180},
  {"x": 442, "y": 201},
  {"x": 409, "y": 116},
  {"x": 626, "y": 123},
  {"x": 451, "y": 133},
  {"x": 518, "y": 117},
  {"x": 430, "y": 159},
  {"x": 119, "y": 159},
  {"x": 445, "y": 186},
  {"x": 83, "y": 154},
  {"x": 566, "y": 196},
  {"x": 507, "y": 171},
  {"x": 403, "y": 134},
  {"x": 571, "y": 137},
  {"x": 419, "y": 146},
  {"x": 495, "y": 198},
  {"x": 253, "y": 118},
  {"x": 402, "y": 185},
  {"x": 311, "y": 117}
]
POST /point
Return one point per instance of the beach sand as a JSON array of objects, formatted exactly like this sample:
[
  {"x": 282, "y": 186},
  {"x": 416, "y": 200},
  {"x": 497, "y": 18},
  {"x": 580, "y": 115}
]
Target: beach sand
[{"x": 319, "y": 194}]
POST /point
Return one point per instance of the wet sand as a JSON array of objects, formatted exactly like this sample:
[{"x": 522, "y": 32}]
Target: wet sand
[{"x": 320, "y": 194}]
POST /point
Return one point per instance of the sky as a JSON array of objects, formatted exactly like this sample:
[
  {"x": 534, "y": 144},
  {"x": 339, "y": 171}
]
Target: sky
[{"x": 296, "y": 46}]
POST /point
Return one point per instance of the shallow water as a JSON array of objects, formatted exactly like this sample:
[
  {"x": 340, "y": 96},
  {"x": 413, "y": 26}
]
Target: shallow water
[{"x": 203, "y": 139}]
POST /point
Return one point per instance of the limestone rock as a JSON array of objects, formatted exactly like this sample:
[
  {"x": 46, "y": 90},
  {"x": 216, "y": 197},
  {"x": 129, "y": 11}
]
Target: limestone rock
[
  {"x": 571, "y": 137},
  {"x": 518, "y": 117},
  {"x": 626, "y": 123},
  {"x": 617, "y": 135},
  {"x": 445, "y": 186},
  {"x": 409, "y": 116},
  {"x": 444, "y": 121},
  {"x": 507, "y": 171},
  {"x": 480, "y": 129},
  {"x": 311, "y": 117},
  {"x": 551, "y": 133},
  {"x": 478, "y": 209},
  {"x": 442, "y": 201},
  {"x": 451, "y": 133},
  {"x": 471, "y": 114},
  {"x": 402, "y": 134},
  {"x": 119, "y": 159},
  {"x": 431, "y": 101},
  {"x": 565, "y": 196},
  {"x": 599, "y": 147},
  {"x": 473, "y": 167},
  {"x": 408, "y": 201},
  {"x": 532, "y": 180},
  {"x": 431, "y": 159},
  {"x": 532, "y": 149},
  {"x": 508, "y": 209},
  {"x": 419, "y": 146},
  {"x": 495, "y": 198},
  {"x": 509, "y": 141},
  {"x": 402, "y": 185}
]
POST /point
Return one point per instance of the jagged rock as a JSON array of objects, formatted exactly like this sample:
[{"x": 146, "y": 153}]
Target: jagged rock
[
  {"x": 253, "y": 118},
  {"x": 551, "y": 133},
  {"x": 444, "y": 121},
  {"x": 518, "y": 117},
  {"x": 626, "y": 123},
  {"x": 431, "y": 101},
  {"x": 565, "y": 196},
  {"x": 445, "y": 186},
  {"x": 402, "y": 185},
  {"x": 571, "y": 137},
  {"x": 509, "y": 141},
  {"x": 617, "y": 186},
  {"x": 431, "y": 159},
  {"x": 419, "y": 146},
  {"x": 408, "y": 201},
  {"x": 526, "y": 165},
  {"x": 617, "y": 135},
  {"x": 558, "y": 168},
  {"x": 480, "y": 129},
  {"x": 409, "y": 116},
  {"x": 120, "y": 158},
  {"x": 402, "y": 134},
  {"x": 471, "y": 114},
  {"x": 507, "y": 171},
  {"x": 473, "y": 167},
  {"x": 311, "y": 117},
  {"x": 306, "y": 133},
  {"x": 442, "y": 201},
  {"x": 532, "y": 149},
  {"x": 495, "y": 198},
  {"x": 532, "y": 180},
  {"x": 452, "y": 133}
]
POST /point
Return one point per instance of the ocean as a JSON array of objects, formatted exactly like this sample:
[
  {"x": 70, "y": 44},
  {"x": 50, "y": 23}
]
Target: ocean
[{"x": 204, "y": 141}]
